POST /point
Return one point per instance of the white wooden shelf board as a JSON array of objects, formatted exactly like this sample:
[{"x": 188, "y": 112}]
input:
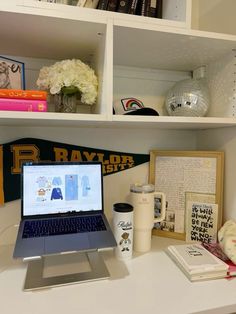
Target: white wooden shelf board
[
  {"x": 51, "y": 119},
  {"x": 35, "y": 7},
  {"x": 88, "y": 14},
  {"x": 144, "y": 22},
  {"x": 167, "y": 122}
]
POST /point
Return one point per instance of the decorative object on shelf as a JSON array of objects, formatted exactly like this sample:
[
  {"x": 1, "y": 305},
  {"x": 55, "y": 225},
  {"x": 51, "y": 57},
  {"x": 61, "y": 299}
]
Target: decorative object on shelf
[
  {"x": 133, "y": 106},
  {"x": 65, "y": 102},
  {"x": 12, "y": 73},
  {"x": 69, "y": 80},
  {"x": 188, "y": 98}
]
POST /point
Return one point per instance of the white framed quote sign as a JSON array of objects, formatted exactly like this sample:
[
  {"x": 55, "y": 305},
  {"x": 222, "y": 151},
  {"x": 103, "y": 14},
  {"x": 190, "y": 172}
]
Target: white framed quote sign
[{"x": 193, "y": 184}]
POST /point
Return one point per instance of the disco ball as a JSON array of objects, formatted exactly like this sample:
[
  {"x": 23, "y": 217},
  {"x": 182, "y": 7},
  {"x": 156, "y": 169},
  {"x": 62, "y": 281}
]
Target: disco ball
[{"x": 189, "y": 98}]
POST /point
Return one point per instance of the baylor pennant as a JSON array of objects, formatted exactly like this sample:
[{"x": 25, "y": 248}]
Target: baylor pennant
[{"x": 13, "y": 154}]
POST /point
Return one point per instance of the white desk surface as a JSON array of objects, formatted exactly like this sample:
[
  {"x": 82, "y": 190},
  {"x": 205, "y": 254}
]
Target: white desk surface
[{"x": 148, "y": 283}]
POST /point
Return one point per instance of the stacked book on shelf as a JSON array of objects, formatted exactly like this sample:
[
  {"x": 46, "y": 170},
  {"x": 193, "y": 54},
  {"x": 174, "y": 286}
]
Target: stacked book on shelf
[
  {"x": 196, "y": 262},
  {"x": 150, "y": 8},
  {"x": 23, "y": 100}
]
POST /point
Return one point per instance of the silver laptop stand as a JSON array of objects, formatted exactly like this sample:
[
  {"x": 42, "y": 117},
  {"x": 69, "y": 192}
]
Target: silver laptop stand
[{"x": 63, "y": 269}]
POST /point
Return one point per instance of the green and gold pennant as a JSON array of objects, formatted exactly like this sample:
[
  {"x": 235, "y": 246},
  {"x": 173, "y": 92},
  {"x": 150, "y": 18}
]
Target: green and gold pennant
[{"x": 13, "y": 154}]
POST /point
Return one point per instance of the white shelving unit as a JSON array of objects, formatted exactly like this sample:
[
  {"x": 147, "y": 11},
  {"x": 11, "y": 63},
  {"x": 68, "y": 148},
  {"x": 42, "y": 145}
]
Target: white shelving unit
[
  {"x": 108, "y": 40},
  {"x": 132, "y": 56}
]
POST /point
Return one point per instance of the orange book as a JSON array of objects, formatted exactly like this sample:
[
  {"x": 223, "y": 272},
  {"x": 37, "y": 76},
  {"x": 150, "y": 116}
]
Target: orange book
[{"x": 23, "y": 94}]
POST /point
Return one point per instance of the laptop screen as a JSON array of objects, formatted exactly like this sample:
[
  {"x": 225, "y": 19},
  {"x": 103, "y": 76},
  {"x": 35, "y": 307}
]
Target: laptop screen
[{"x": 60, "y": 188}]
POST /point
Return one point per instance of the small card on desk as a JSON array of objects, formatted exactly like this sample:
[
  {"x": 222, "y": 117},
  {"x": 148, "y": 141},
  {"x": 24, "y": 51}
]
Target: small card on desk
[{"x": 196, "y": 262}]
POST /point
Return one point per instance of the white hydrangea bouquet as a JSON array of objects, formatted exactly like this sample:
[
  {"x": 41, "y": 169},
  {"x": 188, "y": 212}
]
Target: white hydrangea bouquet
[{"x": 70, "y": 77}]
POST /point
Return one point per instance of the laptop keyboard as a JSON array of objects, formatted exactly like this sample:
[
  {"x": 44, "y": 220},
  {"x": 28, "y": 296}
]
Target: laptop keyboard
[{"x": 59, "y": 226}]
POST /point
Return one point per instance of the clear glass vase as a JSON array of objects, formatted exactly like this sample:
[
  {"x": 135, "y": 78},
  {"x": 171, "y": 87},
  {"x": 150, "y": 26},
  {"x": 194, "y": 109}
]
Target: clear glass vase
[{"x": 65, "y": 103}]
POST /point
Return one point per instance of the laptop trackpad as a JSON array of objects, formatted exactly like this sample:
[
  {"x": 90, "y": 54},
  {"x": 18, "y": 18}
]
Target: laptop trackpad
[{"x": 65, "y": 243}]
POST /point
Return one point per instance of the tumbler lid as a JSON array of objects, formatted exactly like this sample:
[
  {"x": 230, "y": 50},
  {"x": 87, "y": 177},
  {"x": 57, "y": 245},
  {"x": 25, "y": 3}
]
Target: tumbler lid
[
  {"x": 142, "y": 188},
  {"x": 122, "y": 207}
]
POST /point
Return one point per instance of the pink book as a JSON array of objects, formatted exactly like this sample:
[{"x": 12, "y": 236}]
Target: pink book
[
  {"x": 215, "y": 249},
  {"x": 10, "y": 104}
]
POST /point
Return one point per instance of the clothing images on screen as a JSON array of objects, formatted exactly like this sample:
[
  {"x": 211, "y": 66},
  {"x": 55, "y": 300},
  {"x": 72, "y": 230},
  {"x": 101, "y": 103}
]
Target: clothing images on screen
[
  {"x": 85, "y": 185},
  {"x": 42, "y": 181},
  {"x": 56, "y": 194},
  {"x": 57, "y": 181},
  {"x": 56, "y": 191},
  {"x": 63, "y": 189},
  {"x": 71, "y": 187}
]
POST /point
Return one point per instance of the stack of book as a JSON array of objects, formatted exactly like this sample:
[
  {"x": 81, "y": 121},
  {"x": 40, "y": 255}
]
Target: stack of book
[
  {"x": 216, "y": 250},
  {"x": 150, "y": 8},
  {"x": 23, "y": 100},
  {"x": 196, "y": 262}
]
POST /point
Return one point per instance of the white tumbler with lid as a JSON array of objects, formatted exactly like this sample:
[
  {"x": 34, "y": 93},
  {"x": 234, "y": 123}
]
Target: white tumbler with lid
[
  {"x": 143, "y": 197},
  {"x": 123, "y": 230}
]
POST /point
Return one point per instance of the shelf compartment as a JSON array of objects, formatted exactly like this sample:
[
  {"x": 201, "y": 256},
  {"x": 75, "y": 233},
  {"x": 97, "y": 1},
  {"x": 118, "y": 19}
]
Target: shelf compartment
[
  {"x": 54, "y": 37},
  {"x": 165, "y": 56},
  {"x": 49, "y": 37},
  {"x": 168, "y": 49}
]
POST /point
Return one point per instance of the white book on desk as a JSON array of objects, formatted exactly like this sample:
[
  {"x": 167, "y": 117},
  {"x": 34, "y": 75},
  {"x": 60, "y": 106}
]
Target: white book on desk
[{"x": 196, "y": 262}]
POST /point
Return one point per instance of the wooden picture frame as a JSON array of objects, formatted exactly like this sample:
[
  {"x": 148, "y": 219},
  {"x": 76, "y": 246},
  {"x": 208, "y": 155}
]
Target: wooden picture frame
[
  {"x": 12, "y": 74},
  {"x": 179, "y": 172}
]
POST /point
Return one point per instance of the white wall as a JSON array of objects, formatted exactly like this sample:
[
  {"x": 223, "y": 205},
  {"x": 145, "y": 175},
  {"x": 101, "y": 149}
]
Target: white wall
[
  {"x": 116, "y": 186},
  {"x": 224, "y": 140},
  {"x": 214, "y": 15}
]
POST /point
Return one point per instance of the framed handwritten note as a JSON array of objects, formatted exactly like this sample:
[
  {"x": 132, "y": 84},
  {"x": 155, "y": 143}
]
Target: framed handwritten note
[{"x": 177, "y": 173}]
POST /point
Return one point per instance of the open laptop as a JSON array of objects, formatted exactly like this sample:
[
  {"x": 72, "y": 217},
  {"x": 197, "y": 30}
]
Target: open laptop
[{"x": 62, "y": 209}]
